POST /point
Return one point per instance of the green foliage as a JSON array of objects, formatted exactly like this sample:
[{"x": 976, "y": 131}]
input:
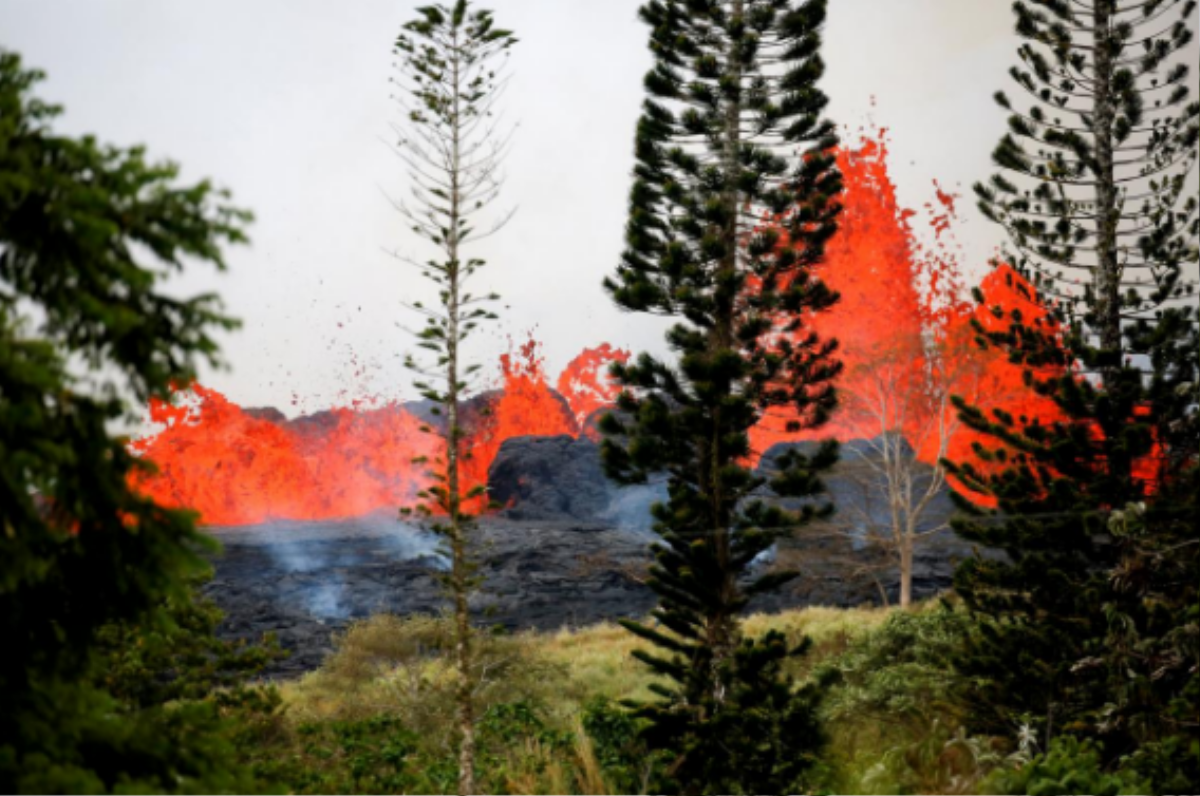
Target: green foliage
[
  {"x": 372, "y": 755},
  {"x": 178, "y": 657},
  {"x": 450, "y": 75},
  {"x": 1146, "y": 662},
  {"x": 389, "y": 664},
  {"x": 764, "y": 731},
  {"x": 1085, "y": 615},
  {"x": 899, "y": 672},
  {"x": 620, "y": 748},
  {"x": 449, "y": 64},
  {"x": 88, "y": 234},
  {"x": 1068, "y": 766},
  {"x": 1171, "y": 765},
  {"x": 710, "y": 171},
  {"x": 403, "y": 670},
  {"x": 383, "y": 753},
  {"x": 547, "y": 722},
  {"x": 893, "y": 710}
]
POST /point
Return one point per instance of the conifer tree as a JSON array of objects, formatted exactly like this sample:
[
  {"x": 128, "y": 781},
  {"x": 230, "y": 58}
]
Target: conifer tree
[
  {"x": 1093, "y": 193},
  {"x": 449, "y": 60},
  {"x": 731, "y": 137},
  {"x": 88, "y": 235}
]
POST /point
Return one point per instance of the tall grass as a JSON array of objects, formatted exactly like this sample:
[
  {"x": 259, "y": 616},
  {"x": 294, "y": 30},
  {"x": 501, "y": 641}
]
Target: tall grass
[{"x": 378, "y": 716}]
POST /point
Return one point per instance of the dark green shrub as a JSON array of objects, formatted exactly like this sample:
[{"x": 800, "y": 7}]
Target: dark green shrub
[
  {"x": 616, "y": 741},
  {"x": 1068, "y": 766},
  {"x": 892, "y": 712},
  {"x": 899, "y": 671},
  {"x": 504, "y": 724}
]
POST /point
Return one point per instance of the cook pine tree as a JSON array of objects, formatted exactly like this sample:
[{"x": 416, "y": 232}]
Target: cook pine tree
[
  {"x": 735, "y": 196},
  {"x": 452, "y": 145},
  {"x": 1096, "y": 193}
]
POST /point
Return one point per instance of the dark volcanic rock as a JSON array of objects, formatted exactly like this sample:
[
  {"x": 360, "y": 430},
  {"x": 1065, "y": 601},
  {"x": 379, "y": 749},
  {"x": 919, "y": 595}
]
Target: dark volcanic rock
[
  {"x": 306, "y": 581},
  {"x": 840, "y": 556},
  {"x": 550, "y": 478},
  {"x": 268, "y": 413},
  {"x": 561, "y": 478},
  {"x": 571, "y": 550}
]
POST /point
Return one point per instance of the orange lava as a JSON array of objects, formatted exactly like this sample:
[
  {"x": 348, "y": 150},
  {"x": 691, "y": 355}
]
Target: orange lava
[
  {"x": 586, "y": 384},
  {"x": 905, "y": 340},
  {"x": 870, "y": 263},
  {"x": 524, "y": 406},
  {"x": 903, "y": 324},
  {"x": 239, "y": 467},
  {"x": 235, "y": 468}
]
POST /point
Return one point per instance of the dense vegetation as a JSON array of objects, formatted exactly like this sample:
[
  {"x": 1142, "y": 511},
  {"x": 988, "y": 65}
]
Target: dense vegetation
[
  {"x": 1087, "y": 627},
  {"x": 1064, "y": 661},
  {"x": 88, "y": 234},
  {"x": 449, "y": 62},
  {"x": 380, "y": 715}
]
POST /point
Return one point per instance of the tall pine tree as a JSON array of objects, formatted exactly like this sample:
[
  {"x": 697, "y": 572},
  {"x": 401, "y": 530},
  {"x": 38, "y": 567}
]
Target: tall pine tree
[
  {"x": 1093, "y": 193},
  {"x": 449, "y": 75},
  {"x": 731, "y": 137}
]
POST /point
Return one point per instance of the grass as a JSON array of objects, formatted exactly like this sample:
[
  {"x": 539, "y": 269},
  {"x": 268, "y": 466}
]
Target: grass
[
  {"x": 378, "y": 716},
  {"x": 598, "y": 658}
]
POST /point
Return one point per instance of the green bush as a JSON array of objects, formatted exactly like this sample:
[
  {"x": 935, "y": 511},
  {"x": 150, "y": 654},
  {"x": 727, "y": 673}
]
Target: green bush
[
  {"x": 89, "y": 234},
  {"x": 1170, "y": 766},
  {"x": 890, "y": 708},
  {"x": 1069, "y": 766},
  {"x": 379, "y": 717},
  {"x": 375, "y": 755},
  {"x": 618, "y": 747},
  {"x": 897, "y": 672}
]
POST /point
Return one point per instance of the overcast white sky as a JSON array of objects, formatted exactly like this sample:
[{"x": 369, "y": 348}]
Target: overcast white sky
[{"x": 286, "y": 102}]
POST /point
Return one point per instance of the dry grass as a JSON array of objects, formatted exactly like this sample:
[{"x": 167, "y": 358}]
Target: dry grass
[
  {"x": 387, "y": 664},
  {"x": 598, "y": 661},
  {"x": 399, "y": 668}
]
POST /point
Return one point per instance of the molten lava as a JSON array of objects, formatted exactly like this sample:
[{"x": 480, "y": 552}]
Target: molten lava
[
  {"x": 881, "y": 315},
  {"x": 586, "y": 384},
  {"x": 905, "y": 340},
  {"x": 236, "y": 468},
  {"x": 524, "y": 406},
  {"x": 903, "y": 324}
]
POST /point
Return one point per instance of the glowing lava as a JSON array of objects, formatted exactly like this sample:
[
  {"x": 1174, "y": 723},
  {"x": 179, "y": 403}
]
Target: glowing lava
[
  {"x": 881, "y": 315},
  {"x": 905, "y": 338},
  {"x": 586, "y": 384},
  {"x": 903, "y": 324},
  {"x": 524, "y": 406},
  {"x": 235, "y": 467}
]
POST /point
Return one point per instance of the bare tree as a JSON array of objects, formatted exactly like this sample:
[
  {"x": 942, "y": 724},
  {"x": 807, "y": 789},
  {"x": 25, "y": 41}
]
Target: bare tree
[
  {"x": 901, "y": 403},
  {"x": 451, "y": 76}
]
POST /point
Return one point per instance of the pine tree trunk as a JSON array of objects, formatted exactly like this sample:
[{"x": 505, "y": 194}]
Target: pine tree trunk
[
  {"x": 1108, "y": 277},
  {"x": 1108, "y": 270},
  {"x": 460, "y": 576},
  {"x": 722, "y": 626}
]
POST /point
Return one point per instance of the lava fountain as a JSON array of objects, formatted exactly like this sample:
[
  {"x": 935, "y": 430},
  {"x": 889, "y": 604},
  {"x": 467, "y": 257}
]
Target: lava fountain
[
  {"x": 239, "y": 466},
  {"x": 903, "y": 325}
]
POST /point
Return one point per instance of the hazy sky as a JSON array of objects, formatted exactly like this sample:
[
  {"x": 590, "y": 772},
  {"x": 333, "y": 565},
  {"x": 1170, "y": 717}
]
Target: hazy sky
[{"x": 286, "y": 102}]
